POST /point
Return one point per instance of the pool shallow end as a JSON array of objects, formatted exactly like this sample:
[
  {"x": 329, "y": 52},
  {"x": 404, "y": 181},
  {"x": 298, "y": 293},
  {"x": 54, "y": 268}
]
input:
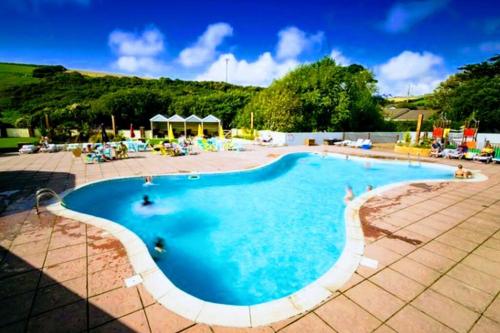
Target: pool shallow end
[{"x": 190, "y": 307}]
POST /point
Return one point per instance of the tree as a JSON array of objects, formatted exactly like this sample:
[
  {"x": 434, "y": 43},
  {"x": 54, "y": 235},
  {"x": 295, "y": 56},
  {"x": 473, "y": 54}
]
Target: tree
[
  {"x": 46, "y": 71},
  {"x": 473, "y": 92},
  {"x": 317, "y": 97}
]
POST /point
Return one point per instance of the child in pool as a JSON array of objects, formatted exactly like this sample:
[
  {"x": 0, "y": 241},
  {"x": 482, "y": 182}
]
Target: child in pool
[
  {"x": 349, "y": 195},
  {"x": 462, "y": 173}
]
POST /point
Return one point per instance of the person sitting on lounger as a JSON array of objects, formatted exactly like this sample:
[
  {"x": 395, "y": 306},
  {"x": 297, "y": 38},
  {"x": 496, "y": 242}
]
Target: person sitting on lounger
[
  {"x": 436, "y": 148},
  {"x": 462, "y": 173},
  {"x": 487, "y": 150},
  {"x": 88, "y": 149}
]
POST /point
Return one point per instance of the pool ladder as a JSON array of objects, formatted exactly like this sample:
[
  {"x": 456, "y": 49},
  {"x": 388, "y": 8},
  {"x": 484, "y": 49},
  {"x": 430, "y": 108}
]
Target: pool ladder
[
  {"x": 419, "y": 160},
  {"x": 44, "y": 192}
]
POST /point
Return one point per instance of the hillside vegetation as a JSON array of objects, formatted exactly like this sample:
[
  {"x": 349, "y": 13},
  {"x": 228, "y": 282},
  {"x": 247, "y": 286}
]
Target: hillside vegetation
[{"x": 16, "y": 74}]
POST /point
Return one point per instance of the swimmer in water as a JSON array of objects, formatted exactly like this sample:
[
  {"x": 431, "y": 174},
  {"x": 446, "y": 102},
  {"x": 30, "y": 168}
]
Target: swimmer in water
[
  {"x": 369, "y": 188},
  {"x": 148, "y": 180},
  {"x": 146, "y": 201},
  {"x": 349, "y": 195},
  {"x": 462, "y": 173},
  {"x": 160, "y": 245}
]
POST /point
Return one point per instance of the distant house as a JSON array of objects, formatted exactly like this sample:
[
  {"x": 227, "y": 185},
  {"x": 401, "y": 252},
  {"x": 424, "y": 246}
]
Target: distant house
[{"x": 405, "y": 114}]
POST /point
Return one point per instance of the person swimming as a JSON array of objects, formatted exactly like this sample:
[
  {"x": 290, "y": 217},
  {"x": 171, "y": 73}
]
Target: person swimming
[
  {"x": 349, "y": 195},
  {"x": 160, "y": 245},
  {"x": 148, "y": 180},
  {"x": 369, "y": 188},
  {"x": 146, "y": 201}
]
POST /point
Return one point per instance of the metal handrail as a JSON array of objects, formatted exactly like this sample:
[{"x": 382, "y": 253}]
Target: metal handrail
[{"x": 43, "y": 192}]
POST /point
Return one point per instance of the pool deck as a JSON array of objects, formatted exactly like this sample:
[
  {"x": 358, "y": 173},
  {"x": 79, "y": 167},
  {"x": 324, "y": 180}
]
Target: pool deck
[{"x": 437, "y": 247}]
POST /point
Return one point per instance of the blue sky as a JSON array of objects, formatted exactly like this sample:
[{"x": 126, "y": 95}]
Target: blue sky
[{"x": 407, "y": 44}]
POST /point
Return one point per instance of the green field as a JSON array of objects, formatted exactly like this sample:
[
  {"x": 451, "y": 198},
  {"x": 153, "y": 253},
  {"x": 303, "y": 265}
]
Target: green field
[
  {"x": 12, "y": 142},
  {"x": 16, "y": 74}
]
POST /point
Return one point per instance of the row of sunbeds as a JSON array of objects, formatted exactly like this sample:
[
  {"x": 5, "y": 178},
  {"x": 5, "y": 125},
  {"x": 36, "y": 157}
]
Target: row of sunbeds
[
  {"x": 360, "y": 143},
  {"x": 471, "y": 154}
]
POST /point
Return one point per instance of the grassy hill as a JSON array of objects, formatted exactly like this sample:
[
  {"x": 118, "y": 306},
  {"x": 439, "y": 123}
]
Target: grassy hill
[
  {"x": 19, "y": 74},
  {"x": 16, "y": 74}
]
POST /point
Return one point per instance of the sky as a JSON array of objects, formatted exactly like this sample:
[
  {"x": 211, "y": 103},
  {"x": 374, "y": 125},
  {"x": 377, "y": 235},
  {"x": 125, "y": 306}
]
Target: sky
[{"x": 410, "y": 46}]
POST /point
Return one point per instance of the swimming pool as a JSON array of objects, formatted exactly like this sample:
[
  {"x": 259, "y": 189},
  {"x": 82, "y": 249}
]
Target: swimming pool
[{"x": 248, "y": 237}]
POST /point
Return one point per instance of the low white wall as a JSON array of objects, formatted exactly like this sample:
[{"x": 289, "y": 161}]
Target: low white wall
[
  {"x": 493, "y": 138},
  {"x": 295, "y": 139},
  {"x": 279, "y": 138}
]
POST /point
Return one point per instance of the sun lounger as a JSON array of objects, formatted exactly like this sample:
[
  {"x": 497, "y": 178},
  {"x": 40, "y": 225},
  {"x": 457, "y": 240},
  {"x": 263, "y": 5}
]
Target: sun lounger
[
  {"x": 28, "y": 149},
  {"x": 367, "y": 144},
  {"x": 343, "y": 143},
  {"x": 455, "y": 153},
  {"x": 51, "y": 148},
  {"x": 357, "y": 144},
  {"x": 93, "y": 157},
  {"x": 486, "y": 159}
]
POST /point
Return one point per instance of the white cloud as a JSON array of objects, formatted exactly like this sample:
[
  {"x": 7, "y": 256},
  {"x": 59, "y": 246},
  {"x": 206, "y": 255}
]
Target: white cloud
[
  {"x": 260, "y": 72},
  {"x": 137, "y": 53},
  {"x": 146, "y": 65},
  {"x": 403, "y": 15},
  {"x": 149, "y": 43},
  {"x": 340, "y": 58},
  {"x": 204, "y": 50},
  {"x": 293, "y": 42},
  {"x": 418, "y": 72}
]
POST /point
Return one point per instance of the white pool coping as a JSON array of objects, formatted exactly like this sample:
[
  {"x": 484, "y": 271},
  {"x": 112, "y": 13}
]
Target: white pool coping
[{"x": 200, "y": 311}]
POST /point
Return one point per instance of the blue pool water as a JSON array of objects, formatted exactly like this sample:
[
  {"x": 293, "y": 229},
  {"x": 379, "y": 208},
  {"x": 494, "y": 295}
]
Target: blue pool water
[{"x": 244, "y": 238}]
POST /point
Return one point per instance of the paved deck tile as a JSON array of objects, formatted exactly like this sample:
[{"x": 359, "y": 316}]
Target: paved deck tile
[
  {"x": 162, "y": 320},
  {"x": 375, "y": 300},
  {"x": 346, "y": 316},
  {"x": 311, "y": 323},
  {"x": 411, "y": 320},
  {"x": 440, "y": 308},
  {"x": 397, "y": 284}
]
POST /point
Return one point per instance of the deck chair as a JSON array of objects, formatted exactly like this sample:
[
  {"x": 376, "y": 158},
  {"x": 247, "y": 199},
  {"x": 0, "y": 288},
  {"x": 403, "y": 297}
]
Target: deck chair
[
  {"x": 480, "y": 158},
  {"x": 455, "y": 153},
  {"x": 28, "y": 149},
  {"x": 77, "y": 152},
  {"x": 122, "y": 152},
  {"x": 343, "y": 143},
  {"x": 356, "y": 144}
]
